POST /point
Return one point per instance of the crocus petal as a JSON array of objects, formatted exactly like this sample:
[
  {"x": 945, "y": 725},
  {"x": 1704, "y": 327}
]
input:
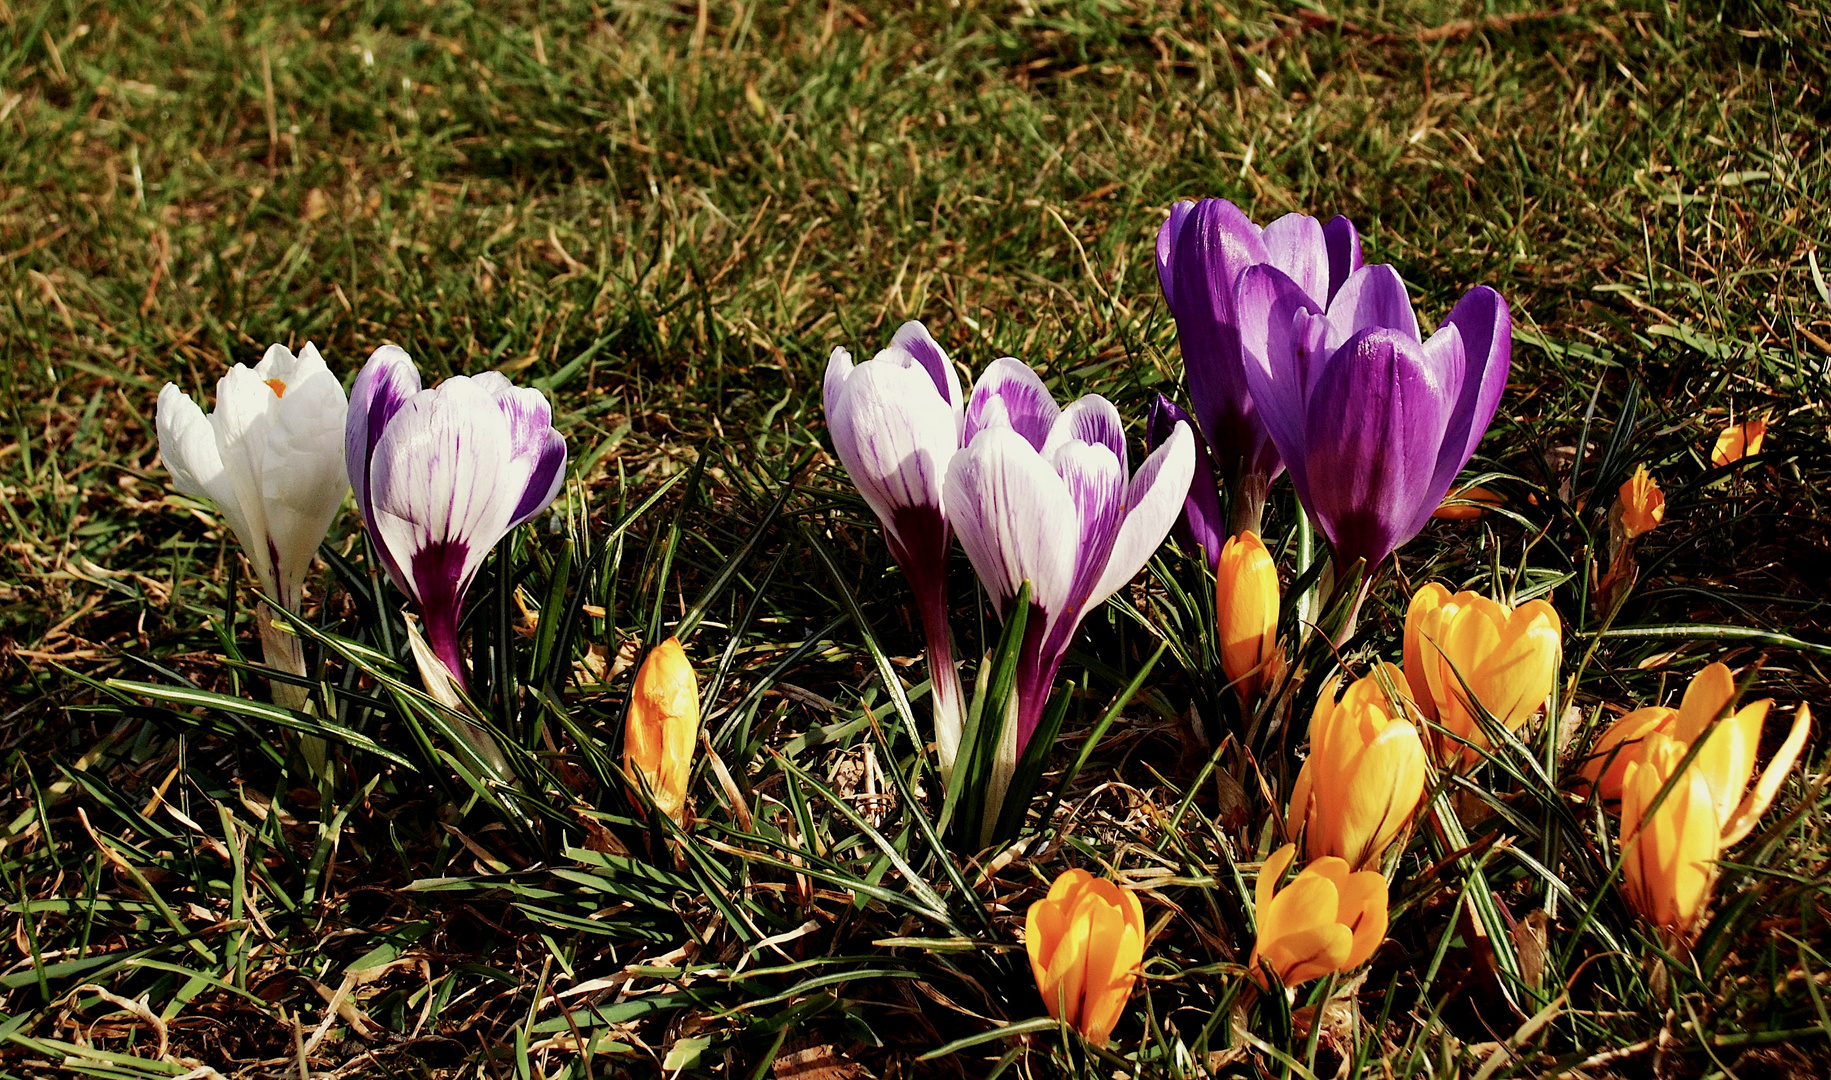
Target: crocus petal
[
  {"x": 913, "y": 340},
  {"x": 303, "y": 479},
  {"x": 1344, "y": 247},
  {"x": 1015, "y": 518},
  {"x": 1294, "y": 244},
  {"x": 1373, "y": 296},
  {"x": 1762, "y": 795},
  {"x": 1706, "y": 697},
  {"x": 1485, "y": 325},
  {"x": 382, "y": 387},
  {"x": 1153, "y": 499},
  {"x": 1362, "y": 908},
  {"x": 1089, "y": 419},
  {"x": 1201, "y": 525},
  {"x": 1166, "y": 245},
  {"x": 1009, "y": 394},
  {"x": 1374, "y": 427},
  {"x": 1281, "y": 352},
  {"x": 895, "y": 437}
]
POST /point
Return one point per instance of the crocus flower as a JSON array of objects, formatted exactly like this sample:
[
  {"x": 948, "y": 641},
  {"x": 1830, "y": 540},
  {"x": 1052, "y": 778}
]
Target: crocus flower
[
  {"x": 1669, "y": 852},
  {"x": 1620, "y": 746},
  {"x": 1373, "y": 421},
  {"x": 441, "y": 475},
  {"x": 1201, "y": 525},
  {"x": 1044, "y": 494},
  {"x": 1739, "y": 440},
  {"x": 1642, "y": 504},
  {"x": 1246, "y": 616},
  {"x": 1086, "y": 941},
  {"x": 895, "y": 421},
  {"x": 1365, "y": 775},
  {"x": 1202, "y": 249},
  {"x": 1329, "y": 918},
  {"x": 663, "y": 727},
  {"x": 1508, "y": 657},
  {"x": 270, "y": 456}
]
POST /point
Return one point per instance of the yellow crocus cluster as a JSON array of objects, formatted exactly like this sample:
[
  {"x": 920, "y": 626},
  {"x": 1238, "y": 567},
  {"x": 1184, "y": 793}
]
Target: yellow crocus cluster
[
  {"x": 1329, "y": 918},
  {"x": 1365, "y": 774},
  {"x": 663, "y": 727},
  {"x": 1463, "y": 643},
  {"x": 1085, "y": 941},
  {"x": 1669, "y": 850}
]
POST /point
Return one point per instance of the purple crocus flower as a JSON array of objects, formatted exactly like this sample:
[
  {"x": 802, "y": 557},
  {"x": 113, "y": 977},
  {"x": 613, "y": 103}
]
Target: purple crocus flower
[
  {"x": 1202, "y": 249},
  {"x": 1201, "y": 525},
  {"x": 895, "y": 421},
  {"x": 441, "y": 475},
  {"x": 1372, "y": 420},
  {"x": 1045, "y": 495}
]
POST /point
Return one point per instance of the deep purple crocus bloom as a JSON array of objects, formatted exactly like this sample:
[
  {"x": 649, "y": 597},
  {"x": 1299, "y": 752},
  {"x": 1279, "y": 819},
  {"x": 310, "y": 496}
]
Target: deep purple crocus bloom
[
  {"x": 1202, "y": 249},
  {"x": 1045, "y": 495},
  {"x": 1372, "y": 420},
  {"x": 441, "y": 475},
  {"x": 895, "y": 421}
]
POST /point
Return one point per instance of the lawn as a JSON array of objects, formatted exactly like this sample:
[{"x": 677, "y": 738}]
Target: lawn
[{"x": 665, "y": 216}]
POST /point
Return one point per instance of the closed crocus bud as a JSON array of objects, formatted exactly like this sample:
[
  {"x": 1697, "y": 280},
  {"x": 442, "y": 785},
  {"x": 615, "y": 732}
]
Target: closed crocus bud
[
  {"x": 1086, "y": 941},
  {"x": 1424, "y": 604},
  {"x": 1737, "y": 441},
  {"x": 1607, "y": 764},
  {"x": 1246, "y": 597},
  {"x": 663, "y": 727},
  {"x": 1508, "y": 657},
  {"x": 1642, "y": 504},
  {"x": 1365, "y": 774},
  {"x": 1329, "y": 918}
]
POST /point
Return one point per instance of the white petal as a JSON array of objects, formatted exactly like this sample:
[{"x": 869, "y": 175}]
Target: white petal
[
  {"x": 1153, "y": 500},
  {"x": 303, "y": 479},
  {"x": 243, "y": 419},
  {"x": 1009, "y": 394},
  {"x": 913, "y": 340},
  {"x": 895, "y": 436},
  {"x": 839, "y": 369},
  {"x": 1014, "y": 517}
]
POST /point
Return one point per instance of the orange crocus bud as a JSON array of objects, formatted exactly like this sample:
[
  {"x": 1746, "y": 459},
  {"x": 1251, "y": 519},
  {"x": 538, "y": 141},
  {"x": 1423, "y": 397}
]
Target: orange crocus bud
[
  {"x": 1329, "y": 918},
  {"x": 1246, "y": 600},
  {"x": 1737, "y": 441},
  {"x": 663, "y": 726},
  {"x": 1507, "y": 657},
  {"x": 1365, "y": 774},
  {"x": 1466, "y": 505},
  {"x": 1643, "y": 505},
  {"x": 1086, "y": 941},
  {"x": 1668, "y": 853}
]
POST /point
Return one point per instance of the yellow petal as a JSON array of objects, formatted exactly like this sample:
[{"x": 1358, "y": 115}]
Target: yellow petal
[
  {"x": 1246, "y": 598},
  {"x": 1382, "y": 790},
  {"x": 1705, "y": 699},
  {"x": 1727, "y": 758},
  {"x": 1269, "y": 872},
  {"x": 1620, "y": 745},
  {"x": 1363, "y": 911},
  {"x": 1762, "y": 796},
  {"x": 1423, "y": 604},
  {"x": 1308, "y": 902},
  {"x": 1115, "y": 950},
  {"x": 1311, "y": 953}
]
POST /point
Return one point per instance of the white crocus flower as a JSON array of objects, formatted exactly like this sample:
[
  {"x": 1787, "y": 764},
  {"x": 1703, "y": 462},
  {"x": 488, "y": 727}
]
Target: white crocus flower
[{"x": 270, "y": 456}]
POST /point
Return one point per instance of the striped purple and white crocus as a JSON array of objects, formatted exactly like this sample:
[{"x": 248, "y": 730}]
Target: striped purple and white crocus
[
  {"x": 895, "y": 421},
  {"x": 1045, "y": 495},
  {"x": 440, "y": 476}
]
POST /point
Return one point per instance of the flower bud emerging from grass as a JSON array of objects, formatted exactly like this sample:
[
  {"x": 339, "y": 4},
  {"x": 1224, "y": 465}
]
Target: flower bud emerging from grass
[
  {"x": 1463, "y": 644},
  {"x": 1364, "y": 777},
  {"x": 1085, "y": 940},
  {"x": 1328, "y": 918},
  {"x": 1246, "y": 593},
  {"x": 663, "y": 726}
]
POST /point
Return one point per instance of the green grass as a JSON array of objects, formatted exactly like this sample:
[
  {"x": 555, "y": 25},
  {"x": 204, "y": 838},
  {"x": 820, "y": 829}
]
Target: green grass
[{"x": 667, "y": 217}]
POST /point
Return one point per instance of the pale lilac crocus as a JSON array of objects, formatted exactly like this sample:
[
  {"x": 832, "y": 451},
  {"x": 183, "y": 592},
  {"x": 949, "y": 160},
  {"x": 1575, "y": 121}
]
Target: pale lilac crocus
[
  {"x": 1373, "y": 421},
  {"x": 270, "y": 456},
  {"x": 1202, "y": 249},
  {"x": 440, "y": 476},
  {"x": 895, "y": 421},
  {"x": 1045, "y": 495}
]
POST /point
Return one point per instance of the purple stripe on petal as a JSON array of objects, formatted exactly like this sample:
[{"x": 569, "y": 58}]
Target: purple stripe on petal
[
  {"x": 1152, "y": 500},
  {"x": 1089, "y": 419},
  {"x": 1281, "y": 349},
  {"x": 439, "y": 575},
  {"x": 1014, "y": 518},
  {"x": 1009, "y": 394},
  {"x": 1343, "y": 242},
  {"x": 383, "y": 386},
  {"x": 1096, "y": 486},
  {"x": 545, "y": 481},
  {"x": 913, "y": 338}
]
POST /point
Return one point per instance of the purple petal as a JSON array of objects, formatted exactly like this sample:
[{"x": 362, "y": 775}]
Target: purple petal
[
  {"x": 1483, "y": 320},
  {"x": 1294, "y": 244},
  {"x": 545, "y": 480},
  {"x": 1344, "y": 245},
  {"x": 1201, "y": 526},
  {"x": 1096, "y": 486},
  {"x": 912, "y": 338},
  {"x": 1009, "y": 394},
  {"x": 1281, "y": 346},
  {"x": 1014, "y": 517},
  {"x": 1372, "y": 297},
  {"x": 1375, "y": 426},
  {"x": 381, "y": 388},
  {"x": 1166, "y": 245}
]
